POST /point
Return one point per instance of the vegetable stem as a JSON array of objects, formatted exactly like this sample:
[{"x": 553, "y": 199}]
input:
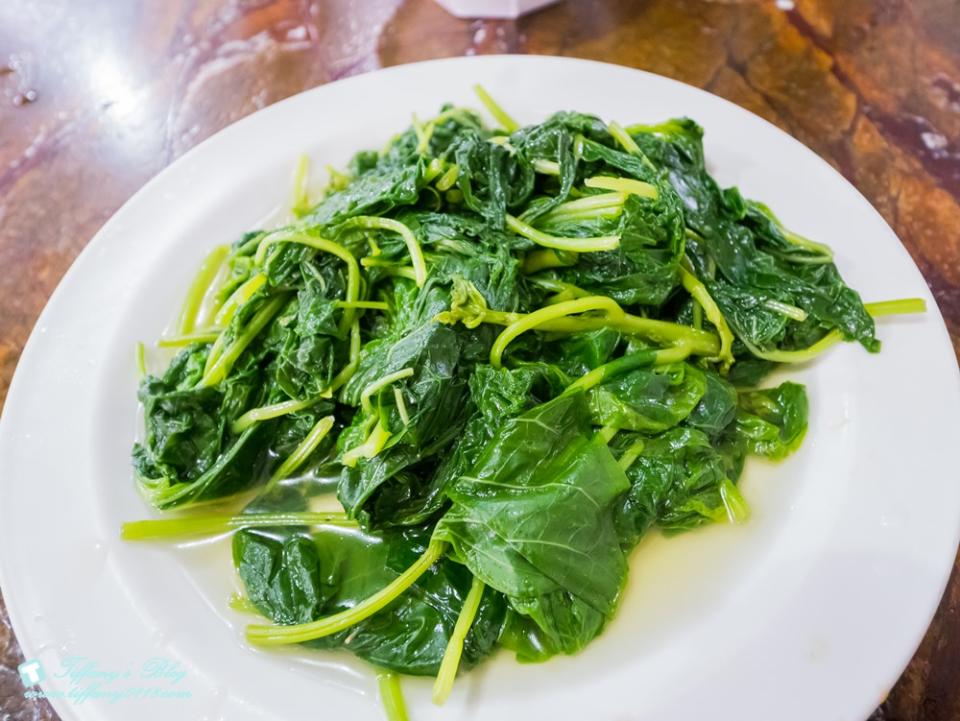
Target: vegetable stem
[
  {"x": 623, "y": 185},
  {"x": 266, "y": 413},
  {"x": 631, "y": 454},
  {"x": 543, "y": 315},
  {"x": 164, "y": 528},
  {"x": 575, "y": 245},
  {"x": 327, "y": 246},
  {"x": 628, "y": 143},
  {"x": 627, "y": 363},
  {"x": 391, "y": 696},
  {"x": 546, "y": 167},
  {"x": 790, "y": 311},
  {"x": 300, "y": 204},
  {"x": 380, "y": 384},
  {"x": 543, "y": 259},
  {"x": 364, "y": 304},
  {"x": 176, "y": 341},
  {"x": 710, "y": 308},
  {"x": 141, "y": 359},
  {"x": 498, "y": 113},
  {"x": 876, "y": 310},
  {"x": 451, "y": 656},
  {"x": 240, "y": 296},
  {"x": 738, "y": 511},
  {"x": 469, "y": 307},
  {"x": 372, "y": 222},
  {"x": 198, "y": 289},
  {"x": 300, "y": 454},
  {"x": 601, "y": 205},
  {"x": 271, "y": 635},
  {"x": 221, "y": 367}
]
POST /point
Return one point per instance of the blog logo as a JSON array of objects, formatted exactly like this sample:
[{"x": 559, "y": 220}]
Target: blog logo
[{"x": 31, "y": 673}]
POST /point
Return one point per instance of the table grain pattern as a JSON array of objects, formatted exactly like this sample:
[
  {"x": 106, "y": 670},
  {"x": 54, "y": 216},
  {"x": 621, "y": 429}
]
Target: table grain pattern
[{"x": 96, "y": 97}]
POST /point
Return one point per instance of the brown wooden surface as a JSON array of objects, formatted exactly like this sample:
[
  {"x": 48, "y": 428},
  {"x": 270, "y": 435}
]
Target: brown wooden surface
[{"x": 97, "y": 96}]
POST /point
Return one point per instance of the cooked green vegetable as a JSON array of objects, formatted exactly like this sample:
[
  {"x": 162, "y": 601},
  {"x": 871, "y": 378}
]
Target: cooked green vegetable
[{"x": 509, "y": 353}]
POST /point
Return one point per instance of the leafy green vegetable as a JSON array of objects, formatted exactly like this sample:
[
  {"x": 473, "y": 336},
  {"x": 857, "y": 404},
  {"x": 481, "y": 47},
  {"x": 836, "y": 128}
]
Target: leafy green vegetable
[{"x": 507, "y": 354}]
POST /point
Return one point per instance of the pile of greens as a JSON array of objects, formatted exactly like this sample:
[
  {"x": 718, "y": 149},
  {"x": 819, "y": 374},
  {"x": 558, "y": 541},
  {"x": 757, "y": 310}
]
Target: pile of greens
[{"x": 509, "y": 352}]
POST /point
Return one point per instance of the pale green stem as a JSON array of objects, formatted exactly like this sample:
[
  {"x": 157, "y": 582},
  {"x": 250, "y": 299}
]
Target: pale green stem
[
  {"x": 380, "y": 384},
  {"x": 876, "y": 310},
  {"x": 790, "y": 311},
  {"x": 628, "y": 143},
  {"x": 546, "y": 167},
  {"x": 602, "y": 205},
  {"x": 451, "y": 656},
  {"x": 266, "y": 413},
  {"x": 575, "y": 245},
  {"x": 141, "y": 356},
  {"x": 327, "y": 246},
  {"x": 538, "y": 317},
  {"x": 702, "y": 296},
  {"x": 272, "y": 635},
  {"x": 221, "y": 367},
  {"x": 302, "y": 452},
  {"x": 300, "y": 203},
  {"x": 369, "y": 448},
  {"x": 176, "y": 341},
  {"x": 401, "y": 406},
  {"x": 738, "y": 511},
  {"x": 391, "y": 696},
  {"x": 552, "y": 319},
  {"x": 607, "y": 433},
  {"x": 627, "y": 363},
  {"x": 239, "y": 602},
  {"x": 240, "y": 296},
  {"x": 165, "y": 528},
  {"x": 623, "y": 185},
  {"x": 198, "y": 289},
  {"x": 498, "y": 113},
  {"x": 631, "y": 454},
  {"x": 449, "y": 177},
  {"x": 364, "y": 304},
  {"x": 372, "y": 222},
  {"x": 544, "y": 259}
]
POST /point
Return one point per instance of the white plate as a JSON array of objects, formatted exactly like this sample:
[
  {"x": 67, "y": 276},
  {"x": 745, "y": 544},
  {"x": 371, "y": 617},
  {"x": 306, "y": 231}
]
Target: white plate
[{"x": 810, "y": 611}]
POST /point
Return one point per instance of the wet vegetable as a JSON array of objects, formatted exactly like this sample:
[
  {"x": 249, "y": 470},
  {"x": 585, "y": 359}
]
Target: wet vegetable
[{"x": 447, "y": 399}]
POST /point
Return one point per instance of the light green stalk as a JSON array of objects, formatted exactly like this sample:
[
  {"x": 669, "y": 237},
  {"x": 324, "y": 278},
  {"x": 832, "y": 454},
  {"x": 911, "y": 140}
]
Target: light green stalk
[
  {"x": 141, "y": 360},
  {"x": 177, "y": 341},
  {"x": 451, "y": 656},
  {"x": 702, "y": 296},
  {"x": 272, "y": 635},
  {"x": 876, "y": 310},
  {"x": 602, "y": 205},
  {"x": 327, "y": 246},
  {"x": 265, "y": 413},
  {"x": 241, "y": 295},
  {"x": 628, "y": 143},
  {"x": 372, "y": 222},
  {"x": 498, "y": 113},
  {"x": 300, "y": 203},
  {"x": 469, "y": 307},
  {"x": 302, "y": 452},
  {"x": 224, "y": 362},
  {"x": 167, "y": 528},
  {"x": 202, "y": 282},
  {"x": 574, "y": 245},
  {"x": 625, "y": 364},
  {"x": 623, "y": 185},
  {"x": 391, "y": 696}
]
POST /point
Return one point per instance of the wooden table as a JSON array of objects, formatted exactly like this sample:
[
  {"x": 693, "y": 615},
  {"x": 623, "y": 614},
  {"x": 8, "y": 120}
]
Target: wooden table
[{"x": 97, "y": 97}]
